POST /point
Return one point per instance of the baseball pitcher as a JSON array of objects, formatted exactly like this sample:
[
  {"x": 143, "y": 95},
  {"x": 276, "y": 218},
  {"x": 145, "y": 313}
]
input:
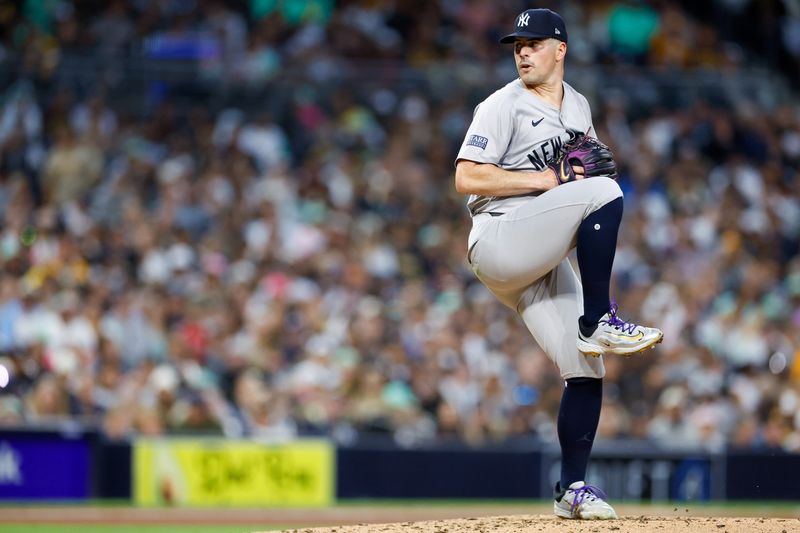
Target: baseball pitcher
[{"x": 540, "y": 184}]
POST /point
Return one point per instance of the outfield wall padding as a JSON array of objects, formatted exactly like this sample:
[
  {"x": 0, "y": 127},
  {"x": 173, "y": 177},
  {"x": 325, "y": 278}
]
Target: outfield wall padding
[{"x": 68, "y": 463}]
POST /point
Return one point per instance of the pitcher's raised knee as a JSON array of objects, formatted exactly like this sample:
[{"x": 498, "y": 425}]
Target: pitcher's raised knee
[{"x": 601, "y": 191}]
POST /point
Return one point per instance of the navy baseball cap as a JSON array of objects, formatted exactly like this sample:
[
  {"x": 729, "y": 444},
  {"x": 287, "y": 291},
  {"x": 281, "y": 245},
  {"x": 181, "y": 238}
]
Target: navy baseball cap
[{"x": 537, "y": 24}]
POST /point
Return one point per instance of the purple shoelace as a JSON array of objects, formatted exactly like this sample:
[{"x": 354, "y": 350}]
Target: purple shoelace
[
  {"x": 583, "y": 492},
  {"x": 617, "y": 322}
]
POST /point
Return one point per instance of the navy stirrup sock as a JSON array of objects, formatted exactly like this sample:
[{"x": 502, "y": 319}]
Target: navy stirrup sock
[
  {"x": 597, "y": 244},
  {"x": 577, "y": 424}
]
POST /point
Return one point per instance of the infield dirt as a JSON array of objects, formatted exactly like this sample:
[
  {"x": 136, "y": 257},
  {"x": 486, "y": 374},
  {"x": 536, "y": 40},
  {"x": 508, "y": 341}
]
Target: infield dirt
[
  {"x": 550, "y": 524},
  {"x": 531, "y": 517}
]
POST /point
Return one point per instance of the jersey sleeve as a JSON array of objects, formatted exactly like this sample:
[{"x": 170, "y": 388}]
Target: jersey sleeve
[
  {"x": 587, "y": 109},
  {"x": 489, "y": 133}
]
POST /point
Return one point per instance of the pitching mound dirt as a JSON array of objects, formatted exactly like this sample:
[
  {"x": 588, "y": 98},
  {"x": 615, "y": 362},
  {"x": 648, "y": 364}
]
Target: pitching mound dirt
[{"x": 550, "y": 524}]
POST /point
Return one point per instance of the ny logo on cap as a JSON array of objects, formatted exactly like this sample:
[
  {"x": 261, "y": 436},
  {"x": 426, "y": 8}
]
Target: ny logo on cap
[{"x": 523, "y": 19}]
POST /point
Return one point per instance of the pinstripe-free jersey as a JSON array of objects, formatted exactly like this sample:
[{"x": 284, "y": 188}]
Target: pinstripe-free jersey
[{"x": 516, "y": 130}]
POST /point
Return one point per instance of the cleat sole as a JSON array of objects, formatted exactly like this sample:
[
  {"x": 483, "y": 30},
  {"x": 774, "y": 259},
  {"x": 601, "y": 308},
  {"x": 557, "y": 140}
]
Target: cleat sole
[{"x": 592, "y": 350}]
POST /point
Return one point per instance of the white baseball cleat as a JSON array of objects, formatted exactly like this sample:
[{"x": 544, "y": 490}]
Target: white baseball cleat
[
  {"x": 585, "y": 502},
  {"x": 614, "y": 335}
]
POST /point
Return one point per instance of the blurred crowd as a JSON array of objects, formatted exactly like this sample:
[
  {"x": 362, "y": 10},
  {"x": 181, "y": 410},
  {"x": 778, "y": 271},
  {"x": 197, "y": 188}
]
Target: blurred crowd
[
  {"x": 257, "y": 40},
  {"x": 243, "y": 273}
]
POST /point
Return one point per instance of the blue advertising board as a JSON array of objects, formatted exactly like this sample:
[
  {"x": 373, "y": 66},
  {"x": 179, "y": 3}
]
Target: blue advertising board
[{"x": 37, "y": 468}]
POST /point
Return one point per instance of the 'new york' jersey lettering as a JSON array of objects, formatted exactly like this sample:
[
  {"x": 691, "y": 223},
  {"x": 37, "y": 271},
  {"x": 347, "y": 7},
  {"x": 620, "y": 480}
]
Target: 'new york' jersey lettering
[{"x": 519, "y": 131}]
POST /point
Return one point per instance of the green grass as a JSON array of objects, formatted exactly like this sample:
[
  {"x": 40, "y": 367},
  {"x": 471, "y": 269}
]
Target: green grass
[
  {"x": 434, "y": 502},
  {"x": 81, "y": 528},
  {"x": 737, "y": 504},
  {"x": 431, "y": 503},
  {"x": 783, "y": 509}
]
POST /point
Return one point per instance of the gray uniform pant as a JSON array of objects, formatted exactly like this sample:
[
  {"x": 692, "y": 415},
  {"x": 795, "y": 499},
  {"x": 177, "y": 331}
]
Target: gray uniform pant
[{"x": 521, "y": 256}]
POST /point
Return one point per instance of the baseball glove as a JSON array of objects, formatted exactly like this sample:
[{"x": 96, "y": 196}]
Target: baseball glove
[{"x": 595, "y": 157}]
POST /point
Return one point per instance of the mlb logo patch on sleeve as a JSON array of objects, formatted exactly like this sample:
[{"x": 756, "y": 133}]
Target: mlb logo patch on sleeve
[{"x": 477, "y": 140}]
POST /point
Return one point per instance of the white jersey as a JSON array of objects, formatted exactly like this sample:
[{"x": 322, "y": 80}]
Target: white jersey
[{"x": 516, "y": 130}]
